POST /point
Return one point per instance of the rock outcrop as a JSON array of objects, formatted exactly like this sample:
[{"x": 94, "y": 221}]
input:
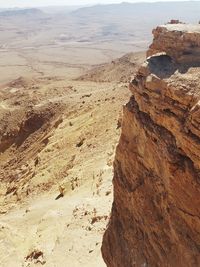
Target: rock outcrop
[
  {"x": 155, "y": 219},
  {"x": 180, "y": 41}
]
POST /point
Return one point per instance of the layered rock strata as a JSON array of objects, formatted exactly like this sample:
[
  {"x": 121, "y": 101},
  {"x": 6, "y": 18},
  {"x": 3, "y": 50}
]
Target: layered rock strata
[
  {"x": 155, "y": 219},
  {"x": 180, "y": 41}
]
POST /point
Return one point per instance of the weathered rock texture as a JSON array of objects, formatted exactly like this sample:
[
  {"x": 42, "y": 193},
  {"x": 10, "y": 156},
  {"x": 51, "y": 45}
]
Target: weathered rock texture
[
  {"x": 155, "y": 218},
  {"x": 180, "y": 41}
]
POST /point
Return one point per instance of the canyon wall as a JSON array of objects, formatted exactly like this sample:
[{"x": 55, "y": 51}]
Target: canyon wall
[{"x": 155, "y": 218}]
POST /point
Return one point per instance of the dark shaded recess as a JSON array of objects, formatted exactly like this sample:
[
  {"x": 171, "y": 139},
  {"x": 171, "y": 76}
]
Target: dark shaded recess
[
  {"x": 163, "y": 66},
  {"x": 30, "y": 126}
]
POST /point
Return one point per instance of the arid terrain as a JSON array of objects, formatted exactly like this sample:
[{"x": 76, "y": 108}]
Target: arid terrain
[
  {"x": 57, "y": 132},
  {"x": 64, "y": 79},
  {"x": 65, "y": 136},
  {"x": 60, "y": 109}
]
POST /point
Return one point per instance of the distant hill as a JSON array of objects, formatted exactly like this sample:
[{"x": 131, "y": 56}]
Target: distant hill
[
  {"x": 188, "y": 11},
  {"x": 130, "y": 23},
  {"x": 59, "y": 9},
  {"x": 21, "y": 12}
]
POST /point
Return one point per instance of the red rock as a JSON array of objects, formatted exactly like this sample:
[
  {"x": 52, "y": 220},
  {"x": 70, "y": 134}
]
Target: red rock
[{"x": 155, "y": 219}]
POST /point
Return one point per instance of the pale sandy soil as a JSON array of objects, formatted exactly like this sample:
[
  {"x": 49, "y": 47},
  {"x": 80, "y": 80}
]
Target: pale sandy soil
[
  {"x": 57, "y": 130},
  {"x": 62, "y": 229},
  {"x": 68, "y": 231},
  {"x": 62, "y": 45}
]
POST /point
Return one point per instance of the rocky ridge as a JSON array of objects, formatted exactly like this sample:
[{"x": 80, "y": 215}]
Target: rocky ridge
[
  {"x": 119, "y": 70},
  {"x": 155, "y": 218}
]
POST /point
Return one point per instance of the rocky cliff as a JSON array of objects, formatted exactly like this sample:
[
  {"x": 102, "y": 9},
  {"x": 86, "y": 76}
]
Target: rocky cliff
[
  {"x": 180, "y": 41},
  {"x": 155, "y": 219}
]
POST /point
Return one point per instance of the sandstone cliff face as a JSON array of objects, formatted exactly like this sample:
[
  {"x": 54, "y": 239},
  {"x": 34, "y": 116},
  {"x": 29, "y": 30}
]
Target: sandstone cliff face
[
  {"x": 180, "y": 41},
  {"x": 155, "y": 218}
]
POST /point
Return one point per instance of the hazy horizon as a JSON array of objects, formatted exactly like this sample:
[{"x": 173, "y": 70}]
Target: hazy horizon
[{"x": 40, "y": 3}]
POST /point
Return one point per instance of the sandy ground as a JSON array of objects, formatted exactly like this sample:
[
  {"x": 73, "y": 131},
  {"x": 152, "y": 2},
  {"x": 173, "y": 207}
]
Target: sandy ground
[
  {"x": 58, "y": 132},
  {"x": 62, "y": 45},
  {"x": 82, "y": 136},
  {"x": 68, "y": 231}
]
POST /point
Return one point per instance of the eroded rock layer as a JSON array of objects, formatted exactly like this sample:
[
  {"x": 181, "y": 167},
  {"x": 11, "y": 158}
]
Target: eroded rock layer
[
  {"x": 180, "y": 41},
  {"x": 155, "y": 218}
]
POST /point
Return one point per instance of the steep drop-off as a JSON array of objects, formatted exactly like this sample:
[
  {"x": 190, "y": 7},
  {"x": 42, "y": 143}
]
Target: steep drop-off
[
  {"x": 155, "y": 218},
  {"x": 56, "y": 135}
]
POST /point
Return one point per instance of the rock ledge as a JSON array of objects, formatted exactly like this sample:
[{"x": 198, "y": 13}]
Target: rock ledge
[{"x": 155, "y": 218}]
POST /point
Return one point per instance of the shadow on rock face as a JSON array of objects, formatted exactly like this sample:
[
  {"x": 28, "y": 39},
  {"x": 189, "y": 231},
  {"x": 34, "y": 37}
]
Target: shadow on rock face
[{"x": 163, "y": 66}]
